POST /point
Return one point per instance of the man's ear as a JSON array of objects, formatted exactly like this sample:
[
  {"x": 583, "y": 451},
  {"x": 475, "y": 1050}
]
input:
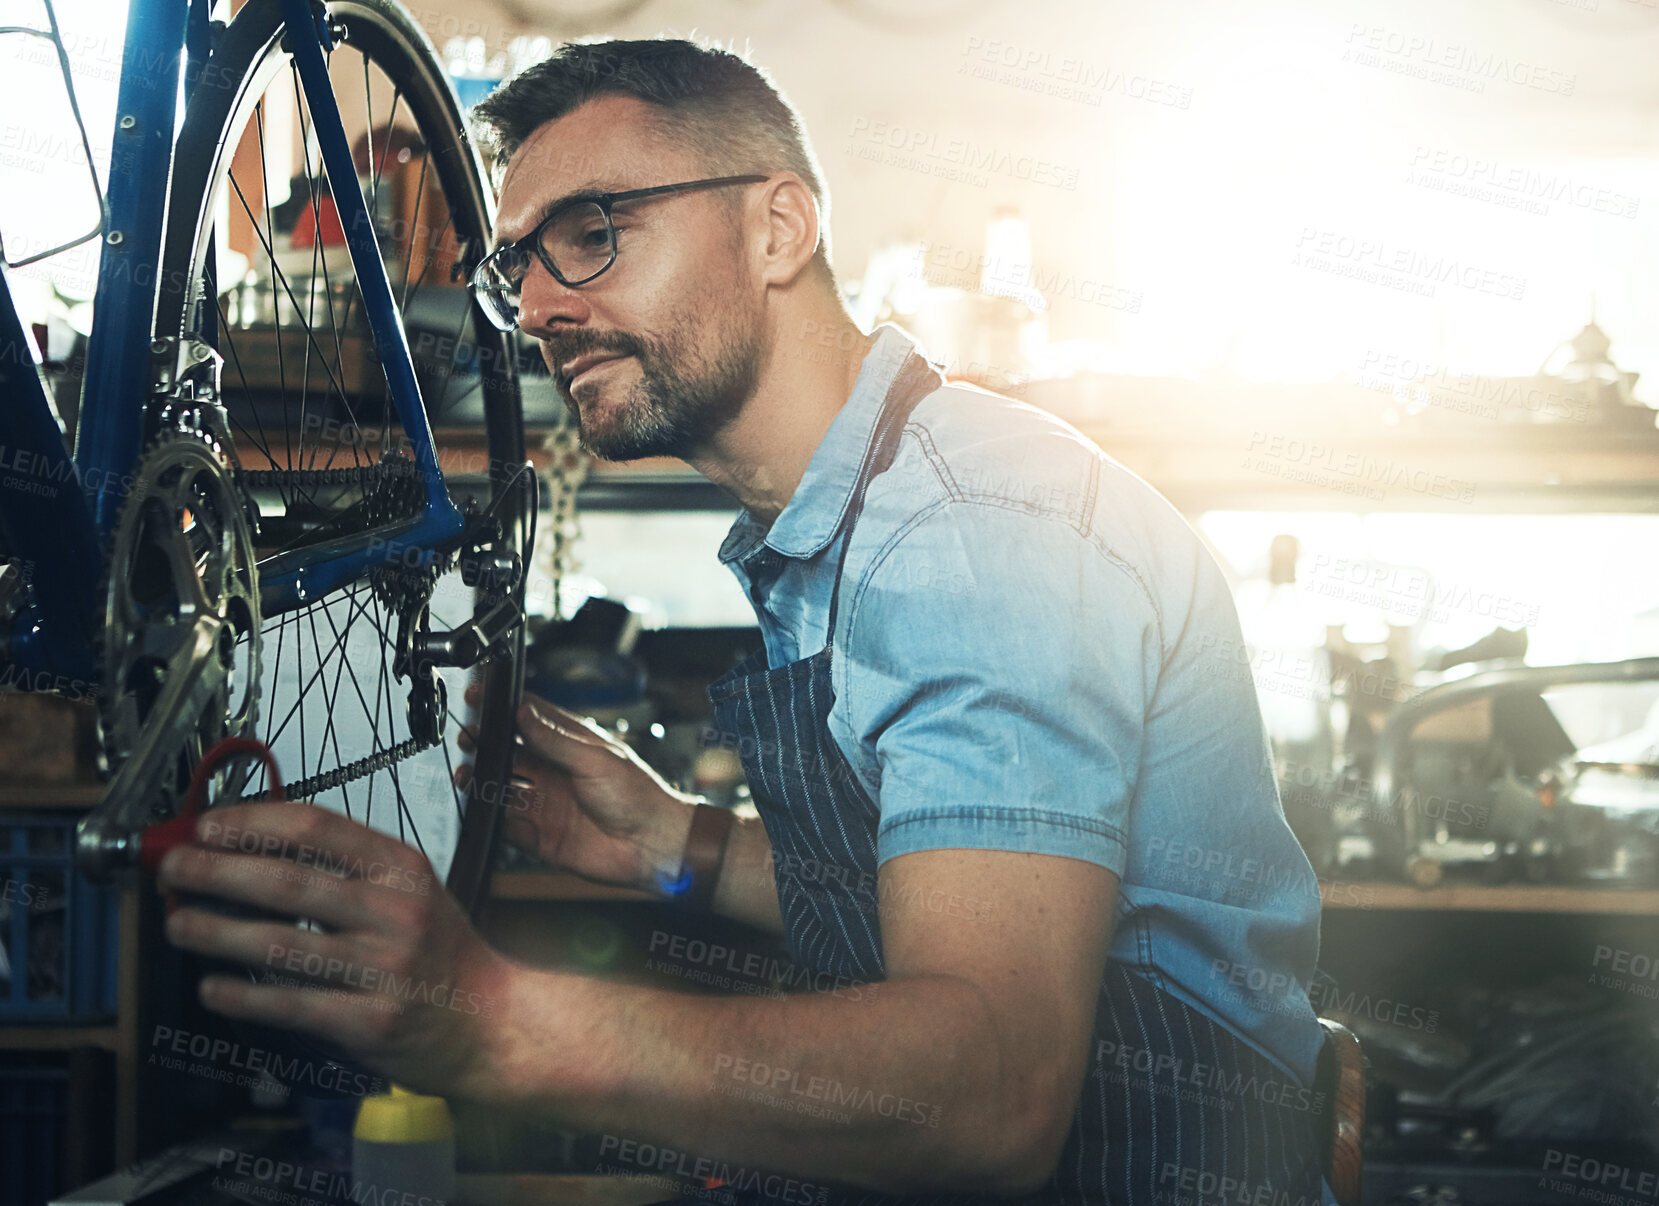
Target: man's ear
[{"x": 787, "y": 237}]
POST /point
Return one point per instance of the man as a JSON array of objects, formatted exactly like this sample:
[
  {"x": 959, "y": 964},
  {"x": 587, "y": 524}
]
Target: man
[{"x": 1018, "y": 818}]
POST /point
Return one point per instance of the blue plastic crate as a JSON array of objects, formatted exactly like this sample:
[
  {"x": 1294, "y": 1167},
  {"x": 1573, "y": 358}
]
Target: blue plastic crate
[
  {"x": 58, "y": 946},
  {"x": 34, "y": 1104}
]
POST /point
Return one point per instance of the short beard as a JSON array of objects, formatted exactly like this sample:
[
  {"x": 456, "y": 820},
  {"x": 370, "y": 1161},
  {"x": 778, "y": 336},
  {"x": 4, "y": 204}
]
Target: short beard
[{"x": 668, "y": 413}]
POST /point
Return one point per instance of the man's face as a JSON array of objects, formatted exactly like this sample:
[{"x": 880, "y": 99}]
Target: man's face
[{"x": 667, "y": 342}]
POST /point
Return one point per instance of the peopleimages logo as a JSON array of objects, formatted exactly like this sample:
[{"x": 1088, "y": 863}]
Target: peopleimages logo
[
  {"x": 386, "y": 988},
  {"x": 1205, "y": 1188},
  {"x": 1513, "y": 186},
  {"x": 1414, "y": 590},
  {"x": 785, "y": 1086},
  {"x": 1282, "y": 992},
  {"x": 270, "y": 1179},
  {"x": 1064, "y": 77},
  {"x": 23, "y": 894},
  {"x": 1377, "y": 261},
  {"x": 960, "y": 159},
  {"x": 1603, "y": 1174},
  {"x": 1453, "y": 63},
  {"x": 1159, "y": 1065},
  {"x": 1348, "y": 469},
  {"x": 1328, "y": 998},
  {"x": 676, "y": 951},
  {"x": 1224, "y": 864},
  {"x": 224, "y": 1060},
  {"x": 250, "y": 841},
  {"x": 23, "y": 145},
  {"x": 1329, "y": 787},
  {"x": 1627, "y": 971},
  {"x": 632, "y": 1155}
]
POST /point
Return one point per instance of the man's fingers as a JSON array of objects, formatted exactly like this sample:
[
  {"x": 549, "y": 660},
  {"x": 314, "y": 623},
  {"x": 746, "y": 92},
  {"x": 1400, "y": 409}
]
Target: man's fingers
[
  {"x": 285, "y": 951},
  {"x": 564, "y": 738},
  {"x": 521, "y": 833},
  {"x": 350, "y": 1018},
  {"x": 296, "y": 830},
  {"x": 274, "y": 884},
  {"x": 474, "y": 694},
  {"x": 520, "y": 794}
]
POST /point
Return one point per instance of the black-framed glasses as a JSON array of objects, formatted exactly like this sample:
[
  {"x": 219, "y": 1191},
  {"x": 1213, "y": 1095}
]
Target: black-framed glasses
[{"x": 576, "y": 242}]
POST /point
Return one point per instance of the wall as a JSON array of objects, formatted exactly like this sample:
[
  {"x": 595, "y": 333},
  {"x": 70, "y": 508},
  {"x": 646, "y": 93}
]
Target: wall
[{"x": 1176, "y": 159}]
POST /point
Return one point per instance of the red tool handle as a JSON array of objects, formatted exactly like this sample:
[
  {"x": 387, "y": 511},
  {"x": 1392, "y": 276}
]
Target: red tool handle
[{"x": 159, "y": 838}]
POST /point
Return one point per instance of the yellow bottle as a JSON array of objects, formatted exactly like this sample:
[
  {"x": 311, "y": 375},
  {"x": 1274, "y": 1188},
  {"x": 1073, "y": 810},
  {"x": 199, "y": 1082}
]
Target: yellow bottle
[{"x": 404, "y": 1142}]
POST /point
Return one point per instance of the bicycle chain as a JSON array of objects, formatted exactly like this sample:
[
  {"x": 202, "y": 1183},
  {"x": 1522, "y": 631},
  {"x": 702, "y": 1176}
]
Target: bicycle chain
[
  {"x": 304, "y": 789},
  {"x": 567, "y": 468},
  {"x": 364, "y": 476},
  {"x": 346, "y": 475}
]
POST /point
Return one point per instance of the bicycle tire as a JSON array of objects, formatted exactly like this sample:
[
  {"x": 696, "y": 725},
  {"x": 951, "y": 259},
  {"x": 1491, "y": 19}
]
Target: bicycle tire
[{"x": 236, "y": 88}]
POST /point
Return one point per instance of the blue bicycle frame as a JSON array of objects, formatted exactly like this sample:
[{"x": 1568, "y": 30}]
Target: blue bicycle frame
[{"x": 64, "y": 533}]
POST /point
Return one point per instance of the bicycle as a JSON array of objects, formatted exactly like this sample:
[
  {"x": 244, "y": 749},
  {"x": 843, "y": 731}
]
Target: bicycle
[{"x": 233, "y": 545}]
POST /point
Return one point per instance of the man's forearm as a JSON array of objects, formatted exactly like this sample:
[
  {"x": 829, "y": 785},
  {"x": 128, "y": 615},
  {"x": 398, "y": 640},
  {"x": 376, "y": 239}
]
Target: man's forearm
[
  {"x": 878, "y": 1085},
  {"x": 746, "y": 890}
]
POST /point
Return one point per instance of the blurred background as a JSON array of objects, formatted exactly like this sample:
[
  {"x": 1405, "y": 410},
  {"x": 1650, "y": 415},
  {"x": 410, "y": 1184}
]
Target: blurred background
[{"x": 1370, "y": 292}]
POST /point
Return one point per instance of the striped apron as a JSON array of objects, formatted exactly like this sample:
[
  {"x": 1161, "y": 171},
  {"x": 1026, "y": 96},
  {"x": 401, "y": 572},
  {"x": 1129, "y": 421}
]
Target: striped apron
[{"x": 1174, "y": 1109}]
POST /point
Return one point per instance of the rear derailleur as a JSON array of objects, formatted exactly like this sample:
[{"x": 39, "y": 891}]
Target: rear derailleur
[{"x": 491, "y": 565}]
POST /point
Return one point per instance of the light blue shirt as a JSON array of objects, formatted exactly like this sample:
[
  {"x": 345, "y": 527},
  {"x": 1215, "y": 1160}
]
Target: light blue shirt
[{"x": 1035, "y": 652}]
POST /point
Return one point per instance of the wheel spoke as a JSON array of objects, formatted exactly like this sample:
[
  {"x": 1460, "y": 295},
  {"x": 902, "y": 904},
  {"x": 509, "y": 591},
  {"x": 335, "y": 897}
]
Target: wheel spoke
[
  {"x": 270, "y": 242},
  {"x": 349, "y": 596},
  {"x": 316, "y": 223},
  {"x": 329, "y": 701},
  {"x": 277, "y": 276}
]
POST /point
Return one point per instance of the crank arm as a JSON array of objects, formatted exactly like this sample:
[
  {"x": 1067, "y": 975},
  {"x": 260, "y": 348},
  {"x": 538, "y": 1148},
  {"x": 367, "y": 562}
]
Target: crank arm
[{"x": 107, "y": 840}]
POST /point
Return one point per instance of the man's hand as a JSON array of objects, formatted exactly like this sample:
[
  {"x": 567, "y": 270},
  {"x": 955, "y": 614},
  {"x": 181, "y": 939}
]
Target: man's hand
[
  {"x": 585, "y": 802},
  {"x": 393, "y": 970}
]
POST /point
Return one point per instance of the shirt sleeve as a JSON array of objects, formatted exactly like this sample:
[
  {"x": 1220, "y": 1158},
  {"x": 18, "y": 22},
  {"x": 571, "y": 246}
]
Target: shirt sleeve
[{"x": 998, "y": 666}]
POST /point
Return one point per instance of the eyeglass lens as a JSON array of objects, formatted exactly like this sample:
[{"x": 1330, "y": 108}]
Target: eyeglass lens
[
  {"x": 581, "y": 244},
  {"x": 496, "y": 285}
]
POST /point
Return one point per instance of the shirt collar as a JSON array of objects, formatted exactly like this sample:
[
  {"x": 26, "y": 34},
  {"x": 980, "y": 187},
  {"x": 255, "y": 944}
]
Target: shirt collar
[{"x": 814, "y": 512}]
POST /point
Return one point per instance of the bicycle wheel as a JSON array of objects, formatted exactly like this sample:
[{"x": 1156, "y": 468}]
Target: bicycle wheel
[{"x": 316, "y": 442}]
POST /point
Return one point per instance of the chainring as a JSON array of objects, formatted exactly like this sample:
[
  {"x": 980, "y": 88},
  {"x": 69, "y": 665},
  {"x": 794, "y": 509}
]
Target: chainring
[{"x": 183, "y": 549}]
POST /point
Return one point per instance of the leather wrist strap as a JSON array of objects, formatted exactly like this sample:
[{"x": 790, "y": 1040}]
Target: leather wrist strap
[{"x": 705, "y": 852}]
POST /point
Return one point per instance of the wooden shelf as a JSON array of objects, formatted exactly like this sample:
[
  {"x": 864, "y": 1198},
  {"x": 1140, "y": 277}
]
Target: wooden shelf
[
  {"x": 1489, "y": 468},
  {"x": 1347, "y": 895},
  {"x": 57, "y": 1038},
  {"x": 556, "y": 885},
  {"x": 559, "y": 1189},
  {"x": 1482, "y": 898},
  {"x": 1484, "y": 468},
  {"x": 22, "y": 796},
  {"x": 1308, "y": 448}
]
